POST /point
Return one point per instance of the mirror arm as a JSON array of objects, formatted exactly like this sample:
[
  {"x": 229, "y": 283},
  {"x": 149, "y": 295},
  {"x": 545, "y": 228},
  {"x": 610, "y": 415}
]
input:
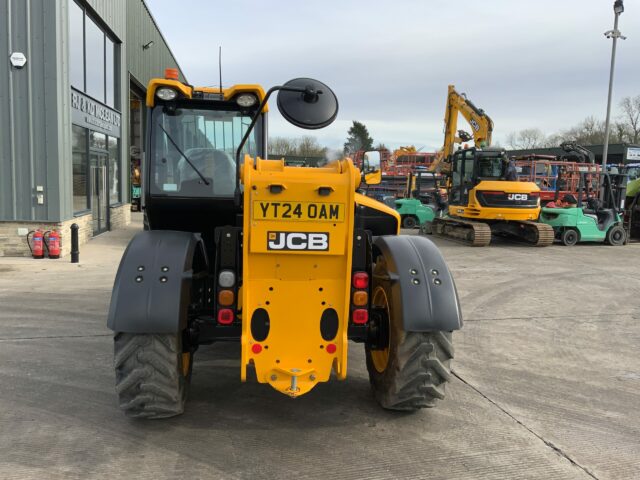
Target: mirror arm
[{"x": 237, "y": 193}]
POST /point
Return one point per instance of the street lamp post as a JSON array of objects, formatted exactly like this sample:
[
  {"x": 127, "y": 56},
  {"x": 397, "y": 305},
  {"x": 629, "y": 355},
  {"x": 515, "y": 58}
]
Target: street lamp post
[{"x": 618, "y": 8}]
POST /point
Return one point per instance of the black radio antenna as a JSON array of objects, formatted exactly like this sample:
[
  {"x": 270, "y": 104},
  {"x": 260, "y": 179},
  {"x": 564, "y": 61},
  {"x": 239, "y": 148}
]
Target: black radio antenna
[{"x": 220, "y": 65}]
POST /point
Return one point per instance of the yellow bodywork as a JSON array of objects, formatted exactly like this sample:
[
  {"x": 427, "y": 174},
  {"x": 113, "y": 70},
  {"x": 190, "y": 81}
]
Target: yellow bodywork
[
  {"x": 188, "y": 90},
  {"x": 480, "y": 123},
  {"x": 296, "y": 286},
  {"x": 475, "y": 210}
]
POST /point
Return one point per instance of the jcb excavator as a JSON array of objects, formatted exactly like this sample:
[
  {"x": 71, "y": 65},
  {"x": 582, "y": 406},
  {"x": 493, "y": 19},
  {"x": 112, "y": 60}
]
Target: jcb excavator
[
  {"x": 483, "y": 199},
  {"x": 290, "y": 262}
]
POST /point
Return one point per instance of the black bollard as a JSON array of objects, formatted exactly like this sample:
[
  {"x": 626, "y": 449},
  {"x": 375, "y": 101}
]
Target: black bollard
[{"x": 75, "y": 251}]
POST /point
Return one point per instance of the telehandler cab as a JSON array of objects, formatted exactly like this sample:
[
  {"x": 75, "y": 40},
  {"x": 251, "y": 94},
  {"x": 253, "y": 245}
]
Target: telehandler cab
[{"x": 289, "y": 261}]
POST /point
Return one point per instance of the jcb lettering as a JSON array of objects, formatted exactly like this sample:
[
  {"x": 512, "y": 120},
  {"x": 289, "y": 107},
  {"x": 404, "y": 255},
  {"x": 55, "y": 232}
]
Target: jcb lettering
[
  {"x": 518, "y": 196},
  {"x": 289, "y": 241}
]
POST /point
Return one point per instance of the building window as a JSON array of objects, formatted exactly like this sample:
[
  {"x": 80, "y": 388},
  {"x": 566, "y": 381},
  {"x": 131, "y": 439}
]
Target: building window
[
  {"x": 79, "y": 154},
  {"x": 76, "y": 46},
  {"x": 110, "y": 83},
  {"x": 114, "y": 171},
  {"x": 94, "y": 44},
  {"x": 92, "y": 57}
]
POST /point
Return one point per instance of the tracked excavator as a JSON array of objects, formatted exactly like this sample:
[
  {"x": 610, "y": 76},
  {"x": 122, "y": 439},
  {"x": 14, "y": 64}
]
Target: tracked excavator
[{"x": 483, "y": 198}]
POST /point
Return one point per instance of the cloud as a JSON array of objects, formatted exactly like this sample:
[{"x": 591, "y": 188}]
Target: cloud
[{"x": 538, "y": 64}]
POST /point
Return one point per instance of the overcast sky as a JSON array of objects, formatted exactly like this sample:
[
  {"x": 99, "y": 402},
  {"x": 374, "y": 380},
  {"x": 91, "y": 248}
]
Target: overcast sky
[{"x": 527, "y": 63}]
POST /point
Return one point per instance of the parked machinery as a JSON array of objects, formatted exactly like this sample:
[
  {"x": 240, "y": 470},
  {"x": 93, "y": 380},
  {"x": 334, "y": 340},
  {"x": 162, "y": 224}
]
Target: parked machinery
[
  {"x": 424, "y": 199},
  {"x": 290, "y": 262},
  {"x": 632, "y": 201},
  {"x": 593, "y": 220},
  {"x": 481, "y": 199},
  {"x": 556, "y": 178}
]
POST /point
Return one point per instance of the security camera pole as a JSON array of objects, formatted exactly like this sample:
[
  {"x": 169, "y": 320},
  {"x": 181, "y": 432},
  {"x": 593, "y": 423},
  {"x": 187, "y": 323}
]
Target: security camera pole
[{"x": 618, "y": 8}]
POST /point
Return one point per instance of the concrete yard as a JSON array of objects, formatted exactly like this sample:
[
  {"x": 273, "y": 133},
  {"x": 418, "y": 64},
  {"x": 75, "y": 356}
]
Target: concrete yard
[{"x": 546, "y": 385}]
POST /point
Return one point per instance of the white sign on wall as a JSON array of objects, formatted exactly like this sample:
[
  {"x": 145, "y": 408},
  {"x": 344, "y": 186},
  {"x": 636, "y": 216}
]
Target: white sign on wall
[
  {"x": 18, "y": 60},
  {"x": 633, "y": 154},
  {"x": 88, "y": 113}
]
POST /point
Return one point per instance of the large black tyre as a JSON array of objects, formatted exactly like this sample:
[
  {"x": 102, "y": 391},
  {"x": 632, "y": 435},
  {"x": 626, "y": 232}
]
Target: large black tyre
[
  {"x": 409, "y": 222},
  {"x": 616, "y": 236},
  {"x": 570, "y": 237},
  {"x": 417, "y": 365},
  {"x": 152, "y": 374}
]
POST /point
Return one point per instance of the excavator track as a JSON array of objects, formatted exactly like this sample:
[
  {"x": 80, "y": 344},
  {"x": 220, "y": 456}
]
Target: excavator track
[
  {"x": 475, "y": 234},
  {"x": 537, "y": 234},
  {"x": 478, "y": 234}
]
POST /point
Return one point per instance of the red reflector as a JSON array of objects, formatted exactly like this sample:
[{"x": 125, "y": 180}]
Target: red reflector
[
  {"x": 360, "y": 316},
  {"x": 256, "y": 348},
  {"x": 486, "y": 192},
  {"x": 331, "y": 348},
  {"x": 360, "y": 280},
  {"x": 225, "y": 316}
]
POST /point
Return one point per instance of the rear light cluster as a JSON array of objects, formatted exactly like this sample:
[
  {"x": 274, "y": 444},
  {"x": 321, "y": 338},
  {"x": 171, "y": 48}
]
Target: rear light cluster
[
  {"x": 360, "y": 298},
  {"x": 226, "y": 297}
]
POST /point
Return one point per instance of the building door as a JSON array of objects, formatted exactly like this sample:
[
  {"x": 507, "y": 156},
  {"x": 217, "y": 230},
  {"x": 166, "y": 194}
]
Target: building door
[{"x": 99, "y": 191}]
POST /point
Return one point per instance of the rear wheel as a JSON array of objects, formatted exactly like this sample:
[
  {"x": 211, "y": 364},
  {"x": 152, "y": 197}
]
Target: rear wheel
[
  {"x": 569, "y": 237},
  {"x": 409, "y": 222},
  {"x": 616, "y": 236},
  {"x": 407, "y": 370},
  {"x": 152, "y": 374}
]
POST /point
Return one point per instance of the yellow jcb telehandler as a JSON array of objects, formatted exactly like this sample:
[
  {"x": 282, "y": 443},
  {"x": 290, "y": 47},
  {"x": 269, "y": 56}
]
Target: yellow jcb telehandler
[{"x": 289, "y": 261}]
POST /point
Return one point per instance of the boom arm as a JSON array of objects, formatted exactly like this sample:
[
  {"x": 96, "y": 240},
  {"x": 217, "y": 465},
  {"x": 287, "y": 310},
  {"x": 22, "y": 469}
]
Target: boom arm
[{"x": 481, "y": 125}]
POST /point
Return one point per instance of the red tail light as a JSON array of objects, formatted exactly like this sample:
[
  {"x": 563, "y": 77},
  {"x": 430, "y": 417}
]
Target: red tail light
[
  {"x": 225, "y": 316},
  {"x": 360, "y": 280},
  {"x": 360, "y": 316}
]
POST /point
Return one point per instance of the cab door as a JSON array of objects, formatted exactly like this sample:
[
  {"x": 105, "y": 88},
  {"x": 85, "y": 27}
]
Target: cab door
[{"x": 462, "y": 177}]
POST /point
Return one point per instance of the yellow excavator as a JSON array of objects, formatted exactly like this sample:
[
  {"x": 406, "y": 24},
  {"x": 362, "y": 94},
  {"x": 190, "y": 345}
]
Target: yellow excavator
[{"x": 485, "y": 197}]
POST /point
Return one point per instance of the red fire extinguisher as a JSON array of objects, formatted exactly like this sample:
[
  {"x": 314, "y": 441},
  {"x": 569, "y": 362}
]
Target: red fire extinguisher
[
  {"x": 52, "y": 242},
  {"x": 37, "y": 250}
]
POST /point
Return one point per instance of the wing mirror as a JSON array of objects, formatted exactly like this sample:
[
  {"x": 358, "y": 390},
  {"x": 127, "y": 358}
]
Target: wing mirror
[{"x": 372, "y": 168}]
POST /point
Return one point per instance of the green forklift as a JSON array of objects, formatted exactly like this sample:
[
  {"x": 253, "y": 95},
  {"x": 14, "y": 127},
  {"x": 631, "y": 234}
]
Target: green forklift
[
  {"x": 600, "y": 220},
  {"x": 423, "y": 200}
]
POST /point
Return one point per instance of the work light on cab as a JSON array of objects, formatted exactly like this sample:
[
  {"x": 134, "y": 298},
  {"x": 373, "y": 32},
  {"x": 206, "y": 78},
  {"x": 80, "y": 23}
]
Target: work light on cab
[
  {"x": 246, "y": 100},
  {"x": 166, "y": 94}
]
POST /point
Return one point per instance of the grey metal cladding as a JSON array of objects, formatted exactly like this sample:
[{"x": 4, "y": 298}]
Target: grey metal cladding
[
  {"x": 152, "y": 288},
  {"x": 29, "y": 110},
  {"x": 419, "y": 276},
  {"x": 35, "y": 109}
]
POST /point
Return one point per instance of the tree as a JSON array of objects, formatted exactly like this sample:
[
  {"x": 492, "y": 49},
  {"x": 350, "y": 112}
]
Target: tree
[
  {"x": 281, "y": 146},
  {"x": 526, "y": 139},
  {"x": 308, "y": 146},
  {"x": 358, "y": 139},
  {"x": 631, "y": 118}
]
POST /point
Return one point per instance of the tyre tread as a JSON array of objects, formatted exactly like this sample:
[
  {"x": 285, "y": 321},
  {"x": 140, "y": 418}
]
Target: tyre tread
[{"x": 148, "y": 379}]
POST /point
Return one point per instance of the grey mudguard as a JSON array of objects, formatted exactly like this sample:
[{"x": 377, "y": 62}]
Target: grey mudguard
[
  {"x": 152, "y": 289},
  {"x": 421, "y": 281}
]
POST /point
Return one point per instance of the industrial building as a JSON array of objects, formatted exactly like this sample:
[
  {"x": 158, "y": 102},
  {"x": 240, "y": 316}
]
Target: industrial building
[{"x": 72, "y": 113}]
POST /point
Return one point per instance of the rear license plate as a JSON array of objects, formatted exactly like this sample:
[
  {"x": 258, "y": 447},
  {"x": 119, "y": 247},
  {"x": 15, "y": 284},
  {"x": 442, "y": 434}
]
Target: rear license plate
[{"x": 298, "y": 211}]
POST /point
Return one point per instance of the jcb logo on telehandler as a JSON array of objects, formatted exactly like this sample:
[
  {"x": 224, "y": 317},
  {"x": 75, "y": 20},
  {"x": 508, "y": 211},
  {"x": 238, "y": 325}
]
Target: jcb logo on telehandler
[
  {"x": 297, "y": 241},
  {"x": 518, "y": 196}
]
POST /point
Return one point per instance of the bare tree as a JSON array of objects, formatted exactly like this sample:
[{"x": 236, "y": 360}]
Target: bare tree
[
  {"x": 308, "y": 146},
  {"x": 282, "y": 146},
  {"x": 526, "y": 139},
  {"x": 631, "y": 117}
]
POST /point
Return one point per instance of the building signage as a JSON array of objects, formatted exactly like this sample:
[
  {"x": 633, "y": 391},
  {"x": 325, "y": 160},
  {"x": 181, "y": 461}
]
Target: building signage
[
  {"x": 633, "y": 154},
  {"x": 88, "y": 113}
]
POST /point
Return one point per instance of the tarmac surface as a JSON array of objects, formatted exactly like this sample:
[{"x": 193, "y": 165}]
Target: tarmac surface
[{"x": 546, "y": 385}]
